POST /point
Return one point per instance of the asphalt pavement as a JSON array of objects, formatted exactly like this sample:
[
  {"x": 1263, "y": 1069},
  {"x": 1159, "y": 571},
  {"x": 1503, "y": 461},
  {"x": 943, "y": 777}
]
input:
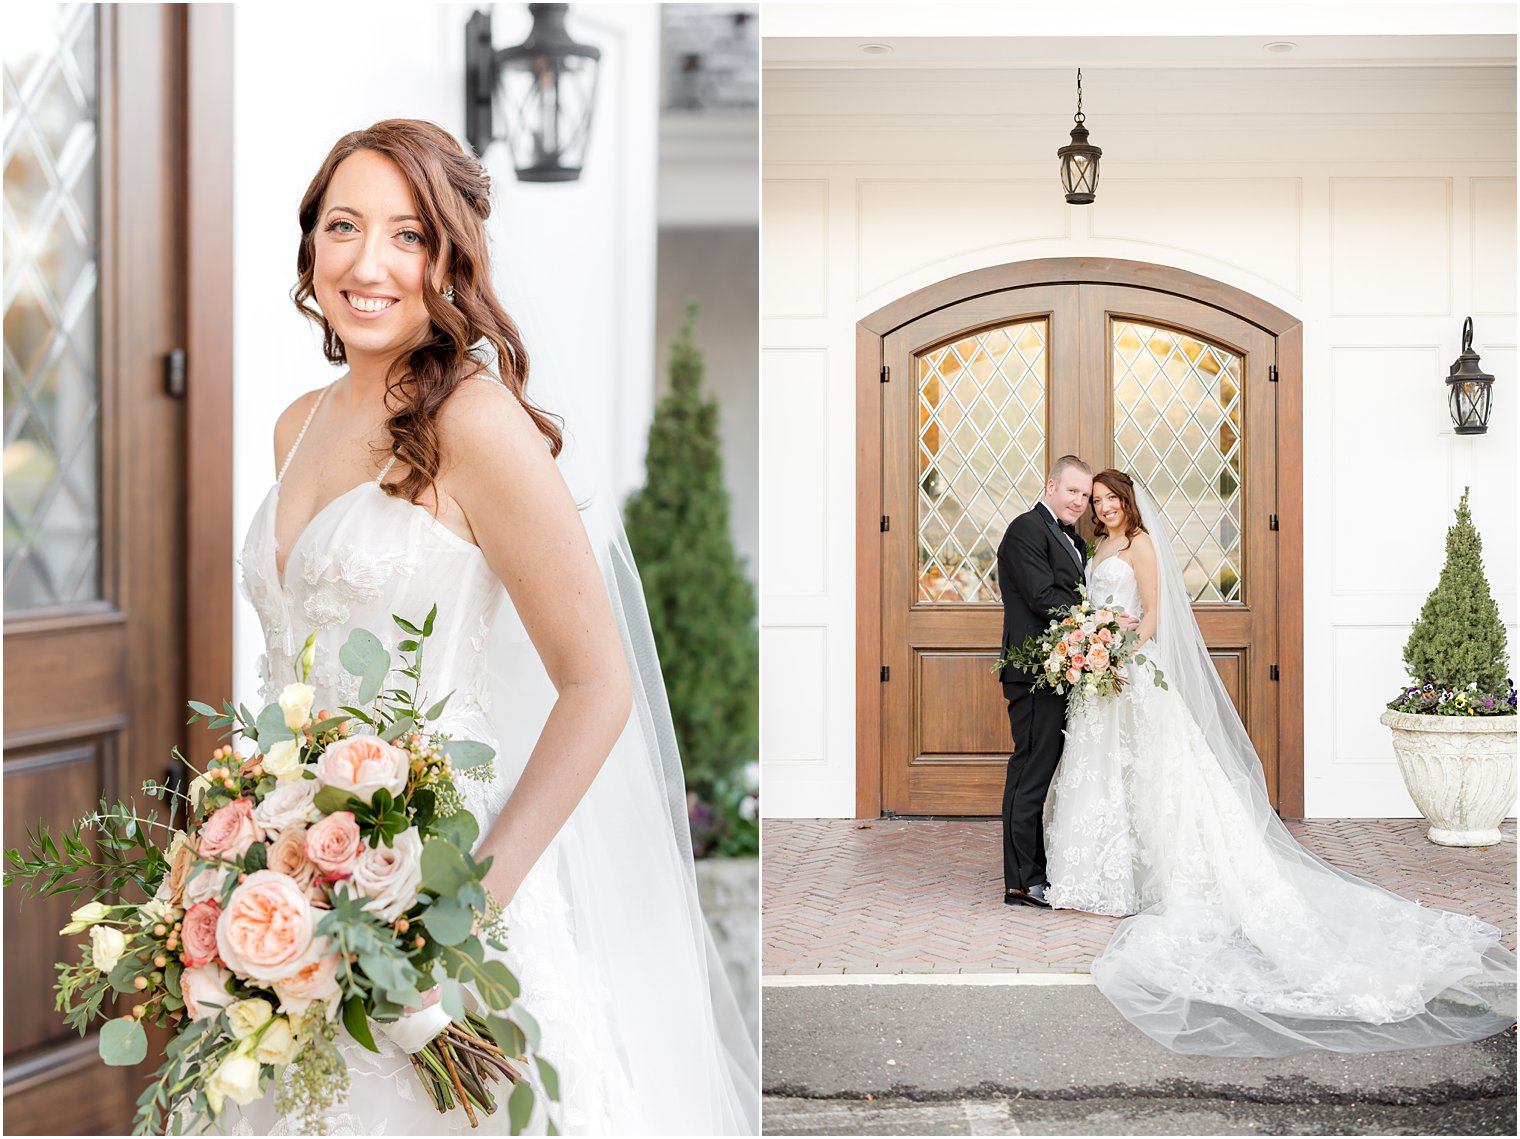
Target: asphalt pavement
[{"x": 1008, "y": 1059}]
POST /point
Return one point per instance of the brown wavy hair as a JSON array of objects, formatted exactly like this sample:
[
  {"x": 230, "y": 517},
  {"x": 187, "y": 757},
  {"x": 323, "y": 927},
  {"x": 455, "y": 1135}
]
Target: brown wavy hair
[
  {"x": 1123, "y": 486},
  {"x": 466, "y": 335}
]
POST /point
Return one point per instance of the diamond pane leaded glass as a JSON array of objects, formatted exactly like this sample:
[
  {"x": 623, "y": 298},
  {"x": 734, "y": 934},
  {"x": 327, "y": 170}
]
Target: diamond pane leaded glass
[
  {"x": 52, "y": 379},
  {"x": 1177, "y": 427},
  {"x": 981, "y": 455}
]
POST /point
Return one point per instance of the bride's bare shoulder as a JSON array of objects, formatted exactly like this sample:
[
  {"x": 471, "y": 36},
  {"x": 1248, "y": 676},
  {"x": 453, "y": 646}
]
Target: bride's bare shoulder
[
  {"x": 482, "y": 417},
  {"x": 1142, "y": 549},
  {"x": 288, "y": 426}
]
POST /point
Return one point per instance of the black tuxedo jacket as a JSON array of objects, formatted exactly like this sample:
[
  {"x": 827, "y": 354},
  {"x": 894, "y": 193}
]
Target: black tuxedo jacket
[{"x": 1039, "y": 570}]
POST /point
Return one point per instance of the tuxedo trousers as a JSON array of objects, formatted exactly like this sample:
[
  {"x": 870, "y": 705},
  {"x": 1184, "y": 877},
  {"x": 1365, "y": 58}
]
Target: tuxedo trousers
[{"x": 1037, "y": 720}]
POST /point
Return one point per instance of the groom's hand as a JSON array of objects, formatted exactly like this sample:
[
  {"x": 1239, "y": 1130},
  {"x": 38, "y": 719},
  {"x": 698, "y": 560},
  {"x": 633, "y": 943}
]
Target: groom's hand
[{"x": 1129, "y": 624}]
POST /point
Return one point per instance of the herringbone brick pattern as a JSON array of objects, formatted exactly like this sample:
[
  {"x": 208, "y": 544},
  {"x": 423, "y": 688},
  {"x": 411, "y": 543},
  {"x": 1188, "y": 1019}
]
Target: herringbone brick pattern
[{"x": 925, "y": 895}]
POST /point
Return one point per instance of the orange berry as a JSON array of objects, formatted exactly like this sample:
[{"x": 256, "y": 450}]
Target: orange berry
[
  {"x": 160, "y": 960},
  {"x": 139, "y": 1011},
  {"x": 159, "y": 930},
  {"x": 402, "y": 925},
  {"x": 420, "y": 942},
  {"x": 139, "y": 982}
]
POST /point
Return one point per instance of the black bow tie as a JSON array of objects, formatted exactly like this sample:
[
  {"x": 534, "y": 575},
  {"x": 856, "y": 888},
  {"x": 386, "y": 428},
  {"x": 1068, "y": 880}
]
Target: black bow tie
[{"x": 1068, "y": 529}]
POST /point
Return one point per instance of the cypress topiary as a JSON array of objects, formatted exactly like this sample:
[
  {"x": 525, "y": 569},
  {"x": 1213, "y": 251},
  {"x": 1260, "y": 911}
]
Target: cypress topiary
[
  {"x": 1459, "y": 638},
  {"x": 701, "y": 605}
]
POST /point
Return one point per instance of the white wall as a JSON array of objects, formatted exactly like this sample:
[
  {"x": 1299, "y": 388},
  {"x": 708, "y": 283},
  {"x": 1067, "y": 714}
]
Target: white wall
[
  {"x": 575, "y": 263},
  {"x": 1376, "y": 202}
]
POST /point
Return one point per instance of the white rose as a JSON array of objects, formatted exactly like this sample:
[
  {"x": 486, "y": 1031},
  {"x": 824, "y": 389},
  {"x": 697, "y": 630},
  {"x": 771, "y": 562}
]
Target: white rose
[
  {"x": 362, "y": 765},
  {"x": 278, "y": 1045},
  {"x": 84, "y": 917},
  {"x": 107, "y": 944},
  {"x": 206, "y": 884},
  {"x": 236, "y": 1078},
  {"x": 295, "y": 703},
  {"x": 390, "y": 875},
  {"x": 247, "y": 1016},
  {"x": 289, "y": 805},
  {"x": 204, "y": 988},
  {"x": 198, "y": 787},
  {"x": 283, "y": 760}
]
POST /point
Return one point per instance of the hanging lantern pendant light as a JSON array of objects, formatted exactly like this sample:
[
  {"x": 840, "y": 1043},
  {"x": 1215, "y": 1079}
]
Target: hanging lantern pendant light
[{"x": 1079, "y": 160}]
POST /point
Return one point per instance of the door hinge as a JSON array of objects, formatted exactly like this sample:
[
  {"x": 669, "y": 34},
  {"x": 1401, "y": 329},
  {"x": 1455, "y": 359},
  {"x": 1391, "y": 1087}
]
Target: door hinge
[
  {"x": 1274, "y": 674},
  {"x": 886, "y": 523},
  {"x": 1272, "y": 372},
  {"x": 1271, "y": 522},
  {"x": 886, "y": 673},
  {"x": 174, "y": 373},
  {"x": 886, "y": 374}
]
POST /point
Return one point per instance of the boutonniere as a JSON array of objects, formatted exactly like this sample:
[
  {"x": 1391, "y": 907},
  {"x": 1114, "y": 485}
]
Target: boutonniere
[{"x": 1092, "y": 550}]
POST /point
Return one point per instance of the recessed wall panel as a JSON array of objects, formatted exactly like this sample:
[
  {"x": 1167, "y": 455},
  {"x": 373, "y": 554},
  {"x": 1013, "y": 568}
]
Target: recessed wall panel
[
  {"x": 1493, "y": 245},
  {"x": 794, "y": 694},
  {"x": 1390, "y": 246},
  {"x": 794, "y": 254},
  {"x": 794, "y": 472}
]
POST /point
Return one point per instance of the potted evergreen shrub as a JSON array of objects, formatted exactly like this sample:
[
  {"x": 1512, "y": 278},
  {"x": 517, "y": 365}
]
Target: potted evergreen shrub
[
  {"x": 702, "y": 610},
  {"x": 1454, "y": 725}
]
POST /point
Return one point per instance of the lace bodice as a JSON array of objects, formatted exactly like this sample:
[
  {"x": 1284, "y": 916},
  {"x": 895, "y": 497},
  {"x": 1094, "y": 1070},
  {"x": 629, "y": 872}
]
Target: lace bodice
[{"x": 1113, "y": 581}]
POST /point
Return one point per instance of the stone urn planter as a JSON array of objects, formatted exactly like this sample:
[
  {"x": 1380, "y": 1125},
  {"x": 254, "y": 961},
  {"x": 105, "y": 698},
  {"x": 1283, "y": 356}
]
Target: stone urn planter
[{"x": 1460, "y": 772}]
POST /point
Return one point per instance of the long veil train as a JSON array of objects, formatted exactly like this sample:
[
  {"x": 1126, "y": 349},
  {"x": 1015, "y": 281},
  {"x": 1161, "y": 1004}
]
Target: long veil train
[{"x": 1316, "y": 959}]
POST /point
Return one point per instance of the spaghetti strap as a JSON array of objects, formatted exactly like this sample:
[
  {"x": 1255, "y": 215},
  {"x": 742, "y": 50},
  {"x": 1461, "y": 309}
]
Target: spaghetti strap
[
  {"x": 385, "y": 470},
  {"x": 310, "y": 415}
]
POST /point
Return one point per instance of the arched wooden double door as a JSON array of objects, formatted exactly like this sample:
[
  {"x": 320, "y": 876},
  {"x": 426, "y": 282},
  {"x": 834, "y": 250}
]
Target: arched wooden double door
[{"x": 1181, "y": 381}]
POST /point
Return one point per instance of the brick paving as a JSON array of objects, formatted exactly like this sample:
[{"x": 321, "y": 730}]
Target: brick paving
[{"x": 925, "y": 895}]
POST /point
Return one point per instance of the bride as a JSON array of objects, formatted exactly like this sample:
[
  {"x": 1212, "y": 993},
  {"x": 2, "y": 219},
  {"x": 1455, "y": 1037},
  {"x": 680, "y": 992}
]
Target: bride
[
  {"x": 1243, "y": 943},
  {"x": 424, "y": 475}
]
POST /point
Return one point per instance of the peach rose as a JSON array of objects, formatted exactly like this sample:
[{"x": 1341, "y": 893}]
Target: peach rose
[
  {"x": 315, "y": 981},
  {"x": 1061, "y": 648},
  {"x": 198, "y": 935},
  {"x": 229, "y": 831},
  {"x": 1106, "y": 636},
  {"x": 362, "y": 765},
  {"x": 1097, "y": 659},
  {"x": 1072, "y": 675},
  {"x": 334, "y": 845},
  {"x": 266, "y": 930},
  {"x": 1103, "y": 616},
  {"x": 205, "y": 990},
  {"x": 287, "y": 855},
  {"x": 207, "y": 883}
]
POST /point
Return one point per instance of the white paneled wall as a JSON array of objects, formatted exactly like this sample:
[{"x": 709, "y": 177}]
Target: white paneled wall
[{"x": 1375, "y": 203}]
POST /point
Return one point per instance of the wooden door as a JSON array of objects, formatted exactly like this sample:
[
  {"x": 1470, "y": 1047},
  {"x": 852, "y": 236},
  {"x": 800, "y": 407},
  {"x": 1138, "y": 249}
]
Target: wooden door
[
  {"x": 981, "y": 396},
  {"x": 102, "y": 258}
]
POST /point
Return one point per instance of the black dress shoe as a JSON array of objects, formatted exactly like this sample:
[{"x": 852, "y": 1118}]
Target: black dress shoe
[{"x": 1034, "y": 896}]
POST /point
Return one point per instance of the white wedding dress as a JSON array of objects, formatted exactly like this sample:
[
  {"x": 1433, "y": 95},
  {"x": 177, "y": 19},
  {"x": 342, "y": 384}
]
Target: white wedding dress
[
  {"x": 1245, "y": 944},
  {"x": 604, "y": 934}
]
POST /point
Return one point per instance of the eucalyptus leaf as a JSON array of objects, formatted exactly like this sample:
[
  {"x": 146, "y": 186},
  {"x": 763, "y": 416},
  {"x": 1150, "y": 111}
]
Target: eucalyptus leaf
[
  {"x": 437, "y": 709},
  {"x": 451, "y": 996},
  {"x": 520, "y": 1106},
  {"x": 460, "y": 829},
  {"x": 123, "y": 972},
  {"x": 373, "y": 681},
  {"x": 549, "y": 1076},
  {"x": 203, "y": 709},
  {"x": 271, "y": 728},
  {"x": 468, "y": 753},
  {"x": 444, "y": 869},
  {"x": 448, "y": 921},
  {"x": 361, "y": 652},
  {"x": 123, "y": 1042},
  {"x": 524, "y": 1020}
]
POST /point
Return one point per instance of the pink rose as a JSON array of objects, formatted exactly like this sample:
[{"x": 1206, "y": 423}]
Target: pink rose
[
  {"x": 1078, "y": 660},
  {"x": 229, "y": 831},
  {"x": 204, "y": 988},
  {"x": 334, "y": 845},
  {"x": 1106, "y": 636},
  {"x": 1074, "y": 638},
  {"x": 1103, "y": 616},
  {"x": 362, "y": 765},
  {"x": 198, "y": 935},
  {"x": 266, "y": 930},
  {"x": 316, "y": 980}
]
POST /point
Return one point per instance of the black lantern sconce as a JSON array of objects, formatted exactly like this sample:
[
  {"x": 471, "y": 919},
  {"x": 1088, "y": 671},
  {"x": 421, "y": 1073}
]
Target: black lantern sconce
[
  {"x": 1079, "y": 160},
  {"x": 538, "y": 96},
  {"x": 1469, "y": 389}
]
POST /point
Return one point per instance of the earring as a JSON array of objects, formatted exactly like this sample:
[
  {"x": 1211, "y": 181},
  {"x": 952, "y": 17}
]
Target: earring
[{"x": 448, "y": 293}]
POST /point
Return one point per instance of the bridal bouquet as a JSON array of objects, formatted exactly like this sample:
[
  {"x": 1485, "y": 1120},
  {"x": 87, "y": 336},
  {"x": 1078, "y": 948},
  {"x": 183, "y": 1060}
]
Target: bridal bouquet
[
  {"x": 1085, "y": 650},
  {"x": 321, "y": 878}
]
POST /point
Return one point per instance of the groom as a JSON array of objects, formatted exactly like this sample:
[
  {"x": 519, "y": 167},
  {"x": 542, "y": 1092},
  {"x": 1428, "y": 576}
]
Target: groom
[{"x": 1040, "y": 565}]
